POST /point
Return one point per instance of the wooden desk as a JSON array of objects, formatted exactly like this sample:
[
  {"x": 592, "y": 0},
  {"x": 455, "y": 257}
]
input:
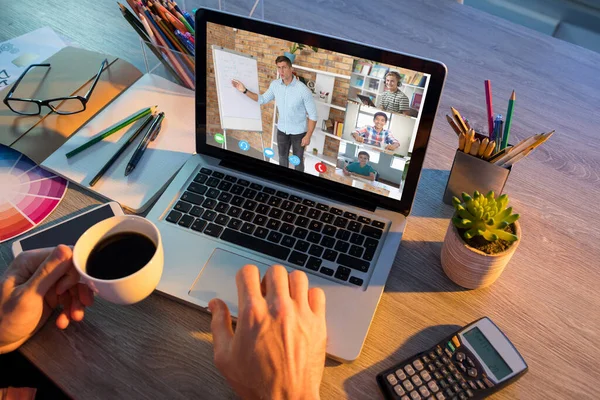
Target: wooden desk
[{"x": 547, "y": 299}]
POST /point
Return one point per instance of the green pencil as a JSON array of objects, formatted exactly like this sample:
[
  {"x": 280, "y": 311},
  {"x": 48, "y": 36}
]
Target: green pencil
[
  {"x": 110, "y": 131},
  {"x": 509, "y": 113}
]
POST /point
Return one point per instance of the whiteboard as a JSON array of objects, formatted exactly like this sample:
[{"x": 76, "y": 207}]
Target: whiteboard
[{"x": 237, "y": 111}]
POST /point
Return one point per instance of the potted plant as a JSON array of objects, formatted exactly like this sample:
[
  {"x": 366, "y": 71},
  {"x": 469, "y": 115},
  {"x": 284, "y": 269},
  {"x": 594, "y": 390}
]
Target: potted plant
[
  {"x": 480, "y": 240},
  {"x": 315, "y": 151},
  {"x": 294, "y": 48}
]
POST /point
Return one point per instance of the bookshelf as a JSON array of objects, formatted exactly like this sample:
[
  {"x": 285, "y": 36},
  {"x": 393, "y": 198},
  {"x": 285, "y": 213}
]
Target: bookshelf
[{"x": 324, "y": 82}]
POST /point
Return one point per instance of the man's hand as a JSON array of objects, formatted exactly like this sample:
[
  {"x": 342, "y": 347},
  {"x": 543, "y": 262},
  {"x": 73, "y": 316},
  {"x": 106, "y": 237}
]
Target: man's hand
[
  {"x": 35, "y": 283},
  {"x": 278, "y": 348},
  {"x": 359, "y": 138},
  {"x": 346, "y": 172},
  {"x": 305, "y": 140},
  {"x": 392, "y": 146},
  {"x": 238, "y": 85}
]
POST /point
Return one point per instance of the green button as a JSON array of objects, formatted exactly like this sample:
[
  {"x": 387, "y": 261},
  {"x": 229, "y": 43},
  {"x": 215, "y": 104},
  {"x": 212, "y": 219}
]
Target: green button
[
  {"x": 451, "y": 347},
  {"x": 219, "y": 138}
]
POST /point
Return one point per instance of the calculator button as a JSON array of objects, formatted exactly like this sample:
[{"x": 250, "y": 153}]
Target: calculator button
[
  {"x": 448, "y": 352},
  {"x": 400, "y": 374},
  {"x": 433, "y": 386},
  {"x": 480, "y": 384},
  {"x": 431, "y": 367},
  {"x": 418, "y": 365},
  {"x": 443, "y": 384},
  {"x": 399, "y": 390},
  {"x": 449, "y": 392},
  {"x": 458, "y": 377},
  {"x": 440, "y": 396},
  {"x": 426, "y": 359},
  {"x": 472, "y": 372},
  {"x": 438, "y": 364},
  {"x": 451, "y": 346},
  {"x": 409, "y": 370},
  {"x": 460, "y": 356},
  {"x": 424, "y": 391},
  {"x": 425, "y": 375},
  {"x": 464, "y": 386},
  {"x": 445, "y": 372},
  {"x": 488, "y": 382},
  {"x": 470, "y": 393},
  {"x": 462, "y": 396},
  {"x": 439, "y": 350},
  {"x": 432, "y": 355},
  {"x": 417, "y": 380},
  {"x": 437, "y": 375},
  {"x": 452, "y": 368},
  {"x": 446, "y": 360},
  {"x": 392, "y": 379},
  {"x": 405, "y": 397},
  {"x": 455, "y": 341},
  {"x": 456, "y": 387},
  {"x": 462, "y": 367},
  {"x": 414, "y": 395},
  {"x": 451, "y": 380},
  {"x": 473, "y": 385},
  {"x": 408, "y": 385},
  {"x": 471, "y": 363}
]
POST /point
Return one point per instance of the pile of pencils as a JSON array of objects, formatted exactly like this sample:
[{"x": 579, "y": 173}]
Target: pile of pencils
[{"x": 168, "y": 32}]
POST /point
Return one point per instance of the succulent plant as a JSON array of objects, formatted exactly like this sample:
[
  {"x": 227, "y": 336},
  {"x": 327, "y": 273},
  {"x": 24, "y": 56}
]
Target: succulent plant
[{"x": 484, "y": 216}]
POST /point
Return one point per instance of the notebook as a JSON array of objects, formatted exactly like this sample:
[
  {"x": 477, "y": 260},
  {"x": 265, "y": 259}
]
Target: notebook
[{"x": 162, "y": 159}]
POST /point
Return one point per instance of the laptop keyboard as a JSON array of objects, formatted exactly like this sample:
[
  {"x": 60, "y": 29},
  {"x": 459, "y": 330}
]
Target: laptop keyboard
[{"x": 300, "y": 232}]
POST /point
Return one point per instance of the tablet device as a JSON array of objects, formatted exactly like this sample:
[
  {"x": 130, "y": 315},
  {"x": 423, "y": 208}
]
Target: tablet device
[
  {"x": 366, "y": 100},
  {"x": 67, "y": 232}
]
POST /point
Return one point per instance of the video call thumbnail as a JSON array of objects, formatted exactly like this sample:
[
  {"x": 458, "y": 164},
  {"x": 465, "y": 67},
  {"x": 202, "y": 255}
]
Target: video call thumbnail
[{"x": 266, "y": 95}]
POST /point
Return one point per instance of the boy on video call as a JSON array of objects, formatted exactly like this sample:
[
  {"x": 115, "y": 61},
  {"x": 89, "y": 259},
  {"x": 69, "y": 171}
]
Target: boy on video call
[
  {"x": 375, "y": 135},
  {"x": 361, "y": 167}
]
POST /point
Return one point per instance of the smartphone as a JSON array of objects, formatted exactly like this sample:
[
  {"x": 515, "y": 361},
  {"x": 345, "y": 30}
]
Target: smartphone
[{"x": 68, "y": 231}]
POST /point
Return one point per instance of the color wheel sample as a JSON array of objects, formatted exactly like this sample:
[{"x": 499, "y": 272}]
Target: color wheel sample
[{"x": 28, "y": 193}]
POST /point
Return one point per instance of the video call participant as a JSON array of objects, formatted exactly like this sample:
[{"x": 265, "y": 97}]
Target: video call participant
[
  {"x": 375, "y": 135},
  {"x": 393, "y": 100},
  {"x": 294, "y": 102},
  {"x": 361, "y": 167}
]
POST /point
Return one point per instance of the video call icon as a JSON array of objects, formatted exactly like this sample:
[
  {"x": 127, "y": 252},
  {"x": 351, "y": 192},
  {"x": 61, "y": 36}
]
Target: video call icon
[
  {"x": 269, "y": 152},
  {"x": 245, "y": 146},
  {"x": 294, "y": 160},
  {"x": 321, "y": 167},
  {"x": 219, "y": 138}
]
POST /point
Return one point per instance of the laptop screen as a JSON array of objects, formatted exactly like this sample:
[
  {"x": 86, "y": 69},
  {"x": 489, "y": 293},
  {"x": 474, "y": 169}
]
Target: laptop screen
[{"x": 324, "y": 113}]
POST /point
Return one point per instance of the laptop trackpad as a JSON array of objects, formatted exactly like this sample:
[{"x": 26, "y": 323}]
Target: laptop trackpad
[{"x": 217, "y": 278}]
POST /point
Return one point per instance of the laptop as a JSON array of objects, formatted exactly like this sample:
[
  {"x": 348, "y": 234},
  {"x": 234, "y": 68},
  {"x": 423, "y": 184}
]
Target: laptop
[{"x": 232, "y": 203}]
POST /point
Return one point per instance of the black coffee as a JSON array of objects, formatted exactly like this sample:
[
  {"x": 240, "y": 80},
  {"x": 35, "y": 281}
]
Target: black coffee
[{"x": 120, "y": 255}]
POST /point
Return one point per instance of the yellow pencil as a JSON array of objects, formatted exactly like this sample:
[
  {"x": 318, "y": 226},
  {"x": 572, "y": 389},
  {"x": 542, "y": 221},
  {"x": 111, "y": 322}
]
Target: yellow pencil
[{"x": 459, "y": 121}]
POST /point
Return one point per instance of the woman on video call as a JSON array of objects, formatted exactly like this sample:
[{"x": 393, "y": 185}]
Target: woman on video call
[{"x": 393, "y": 100}]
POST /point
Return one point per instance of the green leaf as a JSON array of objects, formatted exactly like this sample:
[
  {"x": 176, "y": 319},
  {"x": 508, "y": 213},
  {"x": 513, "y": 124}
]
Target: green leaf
[
  {"x": 512, "y": 218},
  {"x": 466, "y": 198},
  {"x": 471, "y": 233},
  {"x": 461, "y": 223},
  {"x": 490, "y": 236},
  {"x": 509, "y": 237}
]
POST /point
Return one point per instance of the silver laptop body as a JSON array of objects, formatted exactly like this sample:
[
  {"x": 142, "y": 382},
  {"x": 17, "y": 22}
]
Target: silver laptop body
[{"x": 201, "y": 265}]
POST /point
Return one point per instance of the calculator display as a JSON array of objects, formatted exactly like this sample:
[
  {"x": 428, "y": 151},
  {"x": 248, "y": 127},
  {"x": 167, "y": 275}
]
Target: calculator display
[{"x": 487, "y": 353}]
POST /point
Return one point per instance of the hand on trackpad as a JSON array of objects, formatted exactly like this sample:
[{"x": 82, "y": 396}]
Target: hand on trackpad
[{"x": 217, "y": 278}]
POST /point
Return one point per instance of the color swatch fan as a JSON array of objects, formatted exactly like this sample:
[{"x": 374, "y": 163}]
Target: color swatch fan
[{"x": 28, "y": 193}]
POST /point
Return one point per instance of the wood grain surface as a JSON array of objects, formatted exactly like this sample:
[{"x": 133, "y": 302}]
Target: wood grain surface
[{"x": 546, "y": 300}]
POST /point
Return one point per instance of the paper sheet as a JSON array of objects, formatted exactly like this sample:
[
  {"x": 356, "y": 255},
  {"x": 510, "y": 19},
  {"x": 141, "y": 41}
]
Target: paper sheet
[
  {"x": 162, "y": 159},
  {"x": 32, "y": 48}
]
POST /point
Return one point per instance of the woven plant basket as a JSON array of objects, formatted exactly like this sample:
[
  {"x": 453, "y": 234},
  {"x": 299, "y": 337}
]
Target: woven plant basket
[{"x": 472, "y": 268}]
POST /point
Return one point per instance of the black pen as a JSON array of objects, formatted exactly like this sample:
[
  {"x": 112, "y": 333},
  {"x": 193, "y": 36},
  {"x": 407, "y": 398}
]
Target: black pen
[
  {"x": 121, "y": 150},
  {"x": 150, "y": 136}
]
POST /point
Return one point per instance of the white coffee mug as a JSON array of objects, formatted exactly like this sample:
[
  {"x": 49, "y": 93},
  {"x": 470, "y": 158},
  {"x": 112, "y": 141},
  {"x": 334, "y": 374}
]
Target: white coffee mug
[{"x": 134, "y": 287}]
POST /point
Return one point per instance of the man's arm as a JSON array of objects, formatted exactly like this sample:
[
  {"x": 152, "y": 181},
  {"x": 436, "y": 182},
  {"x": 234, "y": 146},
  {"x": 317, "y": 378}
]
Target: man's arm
[
  {"x": 242, "y": 88},
  {"x": 311, "y": 110},
  {"x": 357, "y": 134},
  {"x": 372, "y": 176},
  {"x": 391, "y": 142}
]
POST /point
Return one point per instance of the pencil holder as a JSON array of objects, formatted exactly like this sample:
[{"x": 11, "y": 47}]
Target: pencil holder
[
  {"x": 175, "y": 66},
  {"x": 470, "y": 173}
]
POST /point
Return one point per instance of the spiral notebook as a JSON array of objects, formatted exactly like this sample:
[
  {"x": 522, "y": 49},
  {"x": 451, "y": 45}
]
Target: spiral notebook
[{"x": 162, "y": 159}]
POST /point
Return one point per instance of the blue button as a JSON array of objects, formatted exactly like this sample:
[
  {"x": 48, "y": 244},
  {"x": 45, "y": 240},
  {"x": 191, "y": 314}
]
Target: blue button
[
  {"x": 294, "y": 160},
  {"x": 245, "y": 146},
  {"x": 269, "y": 153}
]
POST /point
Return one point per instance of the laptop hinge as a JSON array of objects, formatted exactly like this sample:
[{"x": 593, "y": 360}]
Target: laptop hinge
[{"x": 323, "y": 191}]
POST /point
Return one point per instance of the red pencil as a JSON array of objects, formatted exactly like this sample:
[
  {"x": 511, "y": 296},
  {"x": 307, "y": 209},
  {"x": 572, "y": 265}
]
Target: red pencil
[{"x": 490, "y": 111}]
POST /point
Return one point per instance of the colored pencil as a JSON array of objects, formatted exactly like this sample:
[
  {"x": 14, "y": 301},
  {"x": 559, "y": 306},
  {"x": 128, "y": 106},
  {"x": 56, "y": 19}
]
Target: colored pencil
[
  {"x": 103, "y": 135},
  {"x": 110, "y": 162},
  {"x": 148, "y": 40},
  {"x": 459, "y": 121},
  {"x": 490, "y": 111},
  {"x": 509, "y": 114},
  {"x": 455, "y": 127}
]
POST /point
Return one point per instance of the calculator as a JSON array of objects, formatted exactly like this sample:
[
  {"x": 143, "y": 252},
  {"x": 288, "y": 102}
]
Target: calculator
[{"x": 472, "y": 363}]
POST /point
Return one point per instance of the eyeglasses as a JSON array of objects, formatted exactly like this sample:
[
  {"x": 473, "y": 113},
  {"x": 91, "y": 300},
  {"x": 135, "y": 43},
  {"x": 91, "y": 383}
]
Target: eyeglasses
[{"x": 61, "y": 105}]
